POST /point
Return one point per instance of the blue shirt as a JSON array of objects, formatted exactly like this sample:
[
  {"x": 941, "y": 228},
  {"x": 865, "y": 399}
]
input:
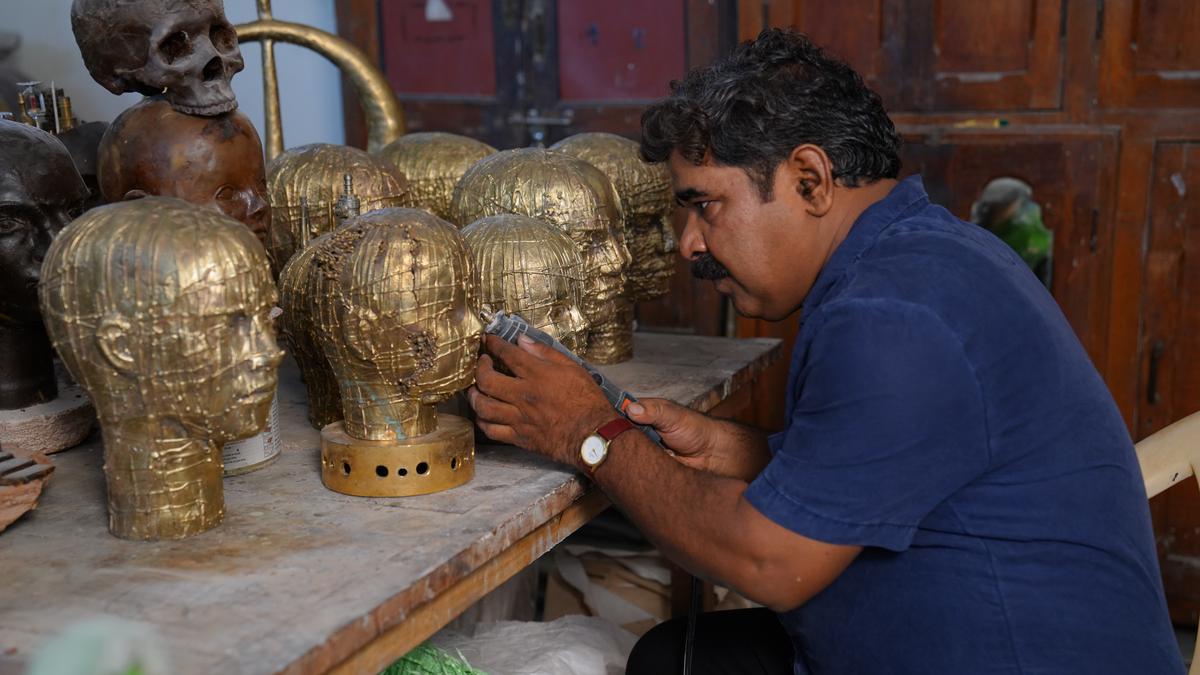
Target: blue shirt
[{"x": 943, "y": 415}]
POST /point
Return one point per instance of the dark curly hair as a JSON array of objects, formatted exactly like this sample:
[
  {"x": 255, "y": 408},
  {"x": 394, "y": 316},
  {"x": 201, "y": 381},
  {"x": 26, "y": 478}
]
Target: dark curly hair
[{"x": 770, "y": 95}]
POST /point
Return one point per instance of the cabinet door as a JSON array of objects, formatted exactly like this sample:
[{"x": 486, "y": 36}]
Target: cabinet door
[
  {"x": 937, "y": 55},
  {"x": 1170, "y": 343},
  {"x": 1070, "y": 180},
  {"x": 1150, "y": 54}
]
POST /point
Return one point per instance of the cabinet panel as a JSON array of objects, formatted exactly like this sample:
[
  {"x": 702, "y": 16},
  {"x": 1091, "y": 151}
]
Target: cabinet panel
[
  {"x": 943, "y": 55},
  {"x": 619, "y": 50},
  {"x": 1071, "y": 181},
  {"x": 1150, "y": 56}
]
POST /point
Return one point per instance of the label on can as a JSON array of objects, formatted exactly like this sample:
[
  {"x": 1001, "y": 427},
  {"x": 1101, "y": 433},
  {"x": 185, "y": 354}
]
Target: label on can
[{"x": 251, "y": 453}]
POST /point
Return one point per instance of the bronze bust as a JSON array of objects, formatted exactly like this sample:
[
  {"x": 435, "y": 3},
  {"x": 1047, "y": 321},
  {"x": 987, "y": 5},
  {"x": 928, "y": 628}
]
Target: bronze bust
[{"x": 40, "y": 192}]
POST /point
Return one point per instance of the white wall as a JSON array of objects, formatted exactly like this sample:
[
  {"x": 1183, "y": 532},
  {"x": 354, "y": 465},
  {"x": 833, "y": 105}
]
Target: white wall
[{"x": 310, "y": 90}]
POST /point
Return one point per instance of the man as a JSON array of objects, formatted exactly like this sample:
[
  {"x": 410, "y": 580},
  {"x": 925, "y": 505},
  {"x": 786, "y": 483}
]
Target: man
[{"x": 955, "y": 491}]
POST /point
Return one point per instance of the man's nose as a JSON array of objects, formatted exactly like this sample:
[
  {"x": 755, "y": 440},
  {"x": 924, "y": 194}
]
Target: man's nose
[{"x": 691, "y": 241}]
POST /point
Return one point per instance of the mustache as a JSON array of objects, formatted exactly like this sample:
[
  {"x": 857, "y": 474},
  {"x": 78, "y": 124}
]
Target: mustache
[{"x": 707, "y": 267}]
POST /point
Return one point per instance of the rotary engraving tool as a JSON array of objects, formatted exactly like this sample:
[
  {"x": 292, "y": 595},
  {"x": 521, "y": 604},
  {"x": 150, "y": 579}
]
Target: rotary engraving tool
[{"x": 509, "y": 327}]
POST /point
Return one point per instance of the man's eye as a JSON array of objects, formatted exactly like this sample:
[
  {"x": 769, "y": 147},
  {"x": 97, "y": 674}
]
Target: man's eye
[{"x": 701, "y": 206}]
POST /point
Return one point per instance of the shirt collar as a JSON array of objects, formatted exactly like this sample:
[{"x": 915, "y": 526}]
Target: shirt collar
[{"x": 905, "y": 195}]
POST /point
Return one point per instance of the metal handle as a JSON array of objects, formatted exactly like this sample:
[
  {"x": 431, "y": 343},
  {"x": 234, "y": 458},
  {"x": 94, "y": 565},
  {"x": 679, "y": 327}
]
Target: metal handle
[{"x": 1156, "y": 353}]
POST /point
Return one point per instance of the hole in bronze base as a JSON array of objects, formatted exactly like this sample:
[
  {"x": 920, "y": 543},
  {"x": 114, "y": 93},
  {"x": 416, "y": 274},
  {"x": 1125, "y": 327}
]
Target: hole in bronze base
[
  {"x": 381, "y": 471},
  {"x": 454, "y": 464},
  {"x": 345, "y": 468},
  {"x": 423, "y": 468},
  {"x": 402, "y": 472}
]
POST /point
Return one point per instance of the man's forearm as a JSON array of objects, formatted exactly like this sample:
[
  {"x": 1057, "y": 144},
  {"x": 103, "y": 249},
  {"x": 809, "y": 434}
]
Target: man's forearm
[{"x": 690, "y": 515}]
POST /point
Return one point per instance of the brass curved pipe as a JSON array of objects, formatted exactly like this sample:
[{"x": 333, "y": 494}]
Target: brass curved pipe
[{"x": 385, "y": 118}]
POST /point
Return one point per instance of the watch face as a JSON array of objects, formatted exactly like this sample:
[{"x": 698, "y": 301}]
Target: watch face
[{"x": 593, "y": 450}]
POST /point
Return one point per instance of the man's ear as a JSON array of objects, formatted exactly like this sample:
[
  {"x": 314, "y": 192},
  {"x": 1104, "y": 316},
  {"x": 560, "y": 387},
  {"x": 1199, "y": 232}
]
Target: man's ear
[
  {"x": 811, "y": 172},
  {"x": 112, "y": 339}
]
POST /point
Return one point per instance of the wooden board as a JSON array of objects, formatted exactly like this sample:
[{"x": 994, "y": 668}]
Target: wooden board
[{"x": 299, "y": 579}]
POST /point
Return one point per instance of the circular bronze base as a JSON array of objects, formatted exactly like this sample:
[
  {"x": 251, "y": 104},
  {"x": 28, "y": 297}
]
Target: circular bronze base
[{"x": 439, "y": 460}]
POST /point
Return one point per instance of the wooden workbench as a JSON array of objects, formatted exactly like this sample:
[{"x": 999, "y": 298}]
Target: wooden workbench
[{"x": 299, "y": 579}]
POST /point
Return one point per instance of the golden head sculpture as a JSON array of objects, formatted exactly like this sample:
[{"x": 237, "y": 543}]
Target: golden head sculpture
[
  {"x": 317, "y": 173},
  {"x": 647, "y": 202},
  {"x": 432, "y": 163},
  {"x": 161, "y": 311},
  {"x": 531, "y": 268},
  {"x": 399, "y": 323},
  {"x": 577, "y": 198},
  {"x": 215, "y": 162},
  {"x": 299, "y": 283}
]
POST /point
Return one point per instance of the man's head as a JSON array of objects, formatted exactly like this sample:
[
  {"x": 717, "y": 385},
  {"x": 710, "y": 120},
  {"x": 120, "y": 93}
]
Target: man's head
[
  {"x": 766, "y": 148},
  {"x": 215, "y": 162}
]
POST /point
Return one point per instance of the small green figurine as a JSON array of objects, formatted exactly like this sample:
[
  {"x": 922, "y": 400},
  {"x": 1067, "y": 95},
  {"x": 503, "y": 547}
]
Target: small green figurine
[{"x": 1006, "y": 209}]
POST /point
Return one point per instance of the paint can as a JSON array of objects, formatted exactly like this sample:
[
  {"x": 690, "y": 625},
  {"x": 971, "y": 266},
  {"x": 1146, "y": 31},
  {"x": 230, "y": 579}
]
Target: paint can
[{"x": 251, "y": 454}]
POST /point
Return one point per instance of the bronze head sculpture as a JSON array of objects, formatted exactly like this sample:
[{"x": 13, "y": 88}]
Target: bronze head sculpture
[
  {"x": 215, "y": 162},
  {"x": 577, "y": 198},
  {"x": 400, "y": 326},
  {"x": 432, "y": 163},
  {"x": 530, "y": 268},
  {"x": 300, "y": 282},
  {"x": 161, "y": 311},
  {"x": 317, "y": 174},
  {"x": 40, "y": 192},
  {"x": 647, "y": 201},
  {"x": 185, "y": 50}
]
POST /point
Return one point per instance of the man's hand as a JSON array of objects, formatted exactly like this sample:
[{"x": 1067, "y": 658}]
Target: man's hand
[
  {"x": 702, "y": 442},
  {"x": 549, "y": 404}
]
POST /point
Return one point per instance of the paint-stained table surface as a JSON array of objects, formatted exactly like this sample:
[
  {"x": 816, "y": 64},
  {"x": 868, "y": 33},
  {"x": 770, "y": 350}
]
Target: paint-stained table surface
[{"x": 299, "y": 579}]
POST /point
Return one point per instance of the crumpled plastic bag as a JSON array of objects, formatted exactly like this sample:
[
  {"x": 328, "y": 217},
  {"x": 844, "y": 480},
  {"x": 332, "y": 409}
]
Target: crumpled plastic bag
[{"x": 571, "y": 645}]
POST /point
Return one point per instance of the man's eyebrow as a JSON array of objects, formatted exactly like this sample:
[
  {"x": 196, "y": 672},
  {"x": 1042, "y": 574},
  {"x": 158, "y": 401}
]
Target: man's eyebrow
[{"x": 688, "y": 194}]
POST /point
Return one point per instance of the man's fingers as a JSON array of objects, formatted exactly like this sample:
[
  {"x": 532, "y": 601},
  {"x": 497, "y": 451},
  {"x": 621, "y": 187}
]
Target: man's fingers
[
  {"x": 518, "y": 360},
  {"x": 498, "y": 432},
  {"x": 544, "y": 352},
  {"x": 657, "y": 412},
  {"x": 493, "y": 383},
  {"x": 492, "y": 410}
]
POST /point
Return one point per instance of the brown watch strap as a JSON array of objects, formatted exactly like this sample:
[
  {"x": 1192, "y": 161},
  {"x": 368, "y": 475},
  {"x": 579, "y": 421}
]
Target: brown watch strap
[{"x": 614, "y": 428}]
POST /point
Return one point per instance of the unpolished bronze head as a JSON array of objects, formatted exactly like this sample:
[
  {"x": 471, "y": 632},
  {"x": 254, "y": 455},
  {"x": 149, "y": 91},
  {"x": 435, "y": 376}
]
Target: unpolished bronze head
[
  {"x": 300, "y": 283},
  {"x": 432, "y": 163},
  {"x": 215, "y": 162},
  {"x": 400, "y": 321},
  {"x": 316, "y": 172},
  {"x": 577, "y": 198},
  {"x": 185, "y": 50},
  {"x": 40, "y": 192},
  {"x": 161, "y": 311},
  {"x": 530, "y": 268},
  {"x": 647, "y": 201}
]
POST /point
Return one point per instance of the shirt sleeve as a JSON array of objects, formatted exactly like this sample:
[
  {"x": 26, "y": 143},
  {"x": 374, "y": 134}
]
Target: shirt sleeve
[{"x": 888, "y": 422}]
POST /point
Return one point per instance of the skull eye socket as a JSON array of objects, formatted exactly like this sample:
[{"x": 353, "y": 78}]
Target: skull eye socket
[
  {"x": 223, "y": 37},
  {"x": 175, "y": 46}
]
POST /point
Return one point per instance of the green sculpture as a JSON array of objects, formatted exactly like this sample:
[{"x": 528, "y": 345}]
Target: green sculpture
[{"x": 1006, "y": 208}]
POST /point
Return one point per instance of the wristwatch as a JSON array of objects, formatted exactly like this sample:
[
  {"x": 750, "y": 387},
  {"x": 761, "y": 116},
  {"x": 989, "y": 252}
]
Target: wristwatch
[{"x": 594, "y": 449}]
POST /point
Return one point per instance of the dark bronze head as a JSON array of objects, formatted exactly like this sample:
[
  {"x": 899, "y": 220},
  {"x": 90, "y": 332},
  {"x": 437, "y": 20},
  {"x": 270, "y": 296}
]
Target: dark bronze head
[{"x": 40, "y": 192}]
